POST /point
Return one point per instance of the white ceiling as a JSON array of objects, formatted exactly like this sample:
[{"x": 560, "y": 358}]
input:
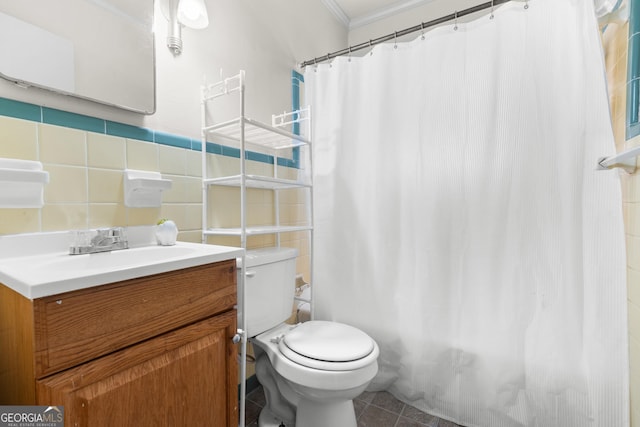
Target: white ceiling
[{"x": 356, "y": 13}]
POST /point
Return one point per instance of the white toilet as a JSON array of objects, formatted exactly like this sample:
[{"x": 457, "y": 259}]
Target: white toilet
[{"x": 310, "y": 372}]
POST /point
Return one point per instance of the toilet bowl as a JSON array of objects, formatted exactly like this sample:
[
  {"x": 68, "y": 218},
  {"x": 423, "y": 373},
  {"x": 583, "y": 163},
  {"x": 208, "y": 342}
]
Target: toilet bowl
[{"x": 311, "y": 371}]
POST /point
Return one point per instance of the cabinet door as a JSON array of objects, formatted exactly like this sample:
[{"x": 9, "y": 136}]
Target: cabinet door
[{"x": 187, "y": 377}]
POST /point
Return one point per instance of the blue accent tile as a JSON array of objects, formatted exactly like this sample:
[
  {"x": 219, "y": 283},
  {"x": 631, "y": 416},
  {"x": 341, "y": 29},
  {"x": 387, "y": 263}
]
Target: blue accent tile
[
  {"x": 128, "y": 131},
  {"x": 633, "y": 72},
  {"x": 172, "y": 140},
  {"x": 214, "y": 148},
  {"x": 230, "y": 151},
  {"x": 20, "y": 110},
  {"x": 633, "y": 131},
  {"x": 259, "y": 157},
  {"x": 633, "y": 97},
  {"x": 633, "y": 65},
  {"x": 72, "y": 120},
  {"x": 297, "y": 76},
  {"x": 633, "y": 109},
  {"x": 289, "y": 163},
  {"x": 634, "y": 18}
]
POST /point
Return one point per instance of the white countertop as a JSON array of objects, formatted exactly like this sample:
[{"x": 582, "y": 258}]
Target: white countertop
[{"x": 38, "y": 265}]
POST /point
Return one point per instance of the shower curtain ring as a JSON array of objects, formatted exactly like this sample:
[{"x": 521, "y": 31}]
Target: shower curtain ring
[
  {"x": 395, "y": 39},
  {"x": 455, "y": 20},
  {"x": 422, "y": 31},
  {"x": 349, "y": 55},
  {"x": 526, "y": 4},
  {"x": 491, "y": 16},
  {"x": 371, "y": 51}
]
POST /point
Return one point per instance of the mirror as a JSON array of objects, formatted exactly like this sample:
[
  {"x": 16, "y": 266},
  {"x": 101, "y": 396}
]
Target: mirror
[{"x": 100, "y": 50}]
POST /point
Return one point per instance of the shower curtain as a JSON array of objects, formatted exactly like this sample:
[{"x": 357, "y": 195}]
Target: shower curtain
[{"x": 460, "y": 221}]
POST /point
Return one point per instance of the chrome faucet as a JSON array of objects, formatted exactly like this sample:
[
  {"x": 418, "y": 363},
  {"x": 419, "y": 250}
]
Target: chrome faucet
[{"x": 101, "y": 240}]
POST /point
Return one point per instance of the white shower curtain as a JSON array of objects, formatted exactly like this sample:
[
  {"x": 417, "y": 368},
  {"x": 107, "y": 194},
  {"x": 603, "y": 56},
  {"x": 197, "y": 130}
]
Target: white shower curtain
[{"x": 460, "y": 221}]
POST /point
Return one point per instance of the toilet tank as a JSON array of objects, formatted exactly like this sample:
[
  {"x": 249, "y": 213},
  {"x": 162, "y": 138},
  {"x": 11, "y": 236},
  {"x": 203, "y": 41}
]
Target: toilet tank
[{"x": 270, "y": 281}]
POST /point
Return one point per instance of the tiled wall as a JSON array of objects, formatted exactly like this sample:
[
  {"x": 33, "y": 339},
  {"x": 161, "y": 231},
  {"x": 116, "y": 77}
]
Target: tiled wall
[
  {"x": 616, "y": 45},
  {"x": 85, "y": 166},
  {"x": 86, "y": 157}
]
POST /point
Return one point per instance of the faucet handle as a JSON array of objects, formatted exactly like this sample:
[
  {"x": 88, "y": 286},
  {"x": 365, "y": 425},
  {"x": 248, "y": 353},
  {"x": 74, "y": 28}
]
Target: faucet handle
[
  {"x": 121, "y": 236},
  {"x": 118, "y": 234},
  {"x": 99, "y": 240},
  {"x": 110, "y": 232},
  {"x": 113, "y": 234},
  {"x": 79, "y": 238}
]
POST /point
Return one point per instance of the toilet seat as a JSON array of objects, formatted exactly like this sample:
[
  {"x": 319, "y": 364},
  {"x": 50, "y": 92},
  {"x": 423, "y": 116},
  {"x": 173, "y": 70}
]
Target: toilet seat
[{"x": 329, "y": 346}]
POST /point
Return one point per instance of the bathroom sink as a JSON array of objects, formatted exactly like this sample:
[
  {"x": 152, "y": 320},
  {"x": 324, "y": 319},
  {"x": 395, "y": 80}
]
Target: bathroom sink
[
  {"x": 120, "y": 259},
  {"x": 50, "y": 272}
]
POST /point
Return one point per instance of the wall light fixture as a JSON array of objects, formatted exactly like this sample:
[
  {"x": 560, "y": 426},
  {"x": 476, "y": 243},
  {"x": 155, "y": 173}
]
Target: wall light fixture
[{"x": 179, "y": 13}]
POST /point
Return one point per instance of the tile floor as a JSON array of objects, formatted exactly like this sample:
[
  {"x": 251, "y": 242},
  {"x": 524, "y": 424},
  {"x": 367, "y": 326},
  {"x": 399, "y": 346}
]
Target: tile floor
[{"x": 378, "y": 409}]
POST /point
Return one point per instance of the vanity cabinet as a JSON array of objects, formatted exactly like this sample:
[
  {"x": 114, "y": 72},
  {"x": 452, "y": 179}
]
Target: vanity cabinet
[{"x": 151, "y": 351}]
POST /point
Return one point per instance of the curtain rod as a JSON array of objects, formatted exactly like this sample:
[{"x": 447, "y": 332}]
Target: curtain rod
[{"x": 404, "y": 32}]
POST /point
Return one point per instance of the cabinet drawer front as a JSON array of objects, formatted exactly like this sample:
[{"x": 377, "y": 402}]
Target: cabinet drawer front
[{"x": 78, "y": 326}]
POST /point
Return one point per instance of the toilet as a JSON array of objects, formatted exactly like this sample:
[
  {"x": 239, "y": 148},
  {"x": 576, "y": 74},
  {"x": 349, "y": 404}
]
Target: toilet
[{"x": 312, "y": 371}]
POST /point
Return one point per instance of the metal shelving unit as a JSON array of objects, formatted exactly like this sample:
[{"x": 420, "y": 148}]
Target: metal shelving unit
[{"x": 279, "y": 141}]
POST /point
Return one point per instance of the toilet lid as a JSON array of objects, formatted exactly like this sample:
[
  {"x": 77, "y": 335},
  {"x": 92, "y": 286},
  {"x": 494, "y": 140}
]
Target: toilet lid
[{"x": 328, "y": 341}]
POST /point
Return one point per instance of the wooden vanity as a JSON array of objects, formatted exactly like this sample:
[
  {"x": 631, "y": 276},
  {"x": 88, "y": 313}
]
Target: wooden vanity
[{"x": 149, "y": 351}]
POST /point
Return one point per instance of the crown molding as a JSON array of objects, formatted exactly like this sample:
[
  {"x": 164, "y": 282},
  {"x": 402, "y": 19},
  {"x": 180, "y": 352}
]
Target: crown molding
[
  {"x": 375, "y": 15},
  {"x": 337, "y": 11},
  {"x": 385, "y": 12}
]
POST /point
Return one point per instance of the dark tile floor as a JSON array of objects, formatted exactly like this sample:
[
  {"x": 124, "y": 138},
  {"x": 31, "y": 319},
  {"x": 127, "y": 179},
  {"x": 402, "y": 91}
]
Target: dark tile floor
[{"x": 378, "y": 409}]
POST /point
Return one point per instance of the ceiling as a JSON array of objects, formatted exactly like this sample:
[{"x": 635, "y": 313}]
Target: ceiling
[{"x": 356, "y": 13}]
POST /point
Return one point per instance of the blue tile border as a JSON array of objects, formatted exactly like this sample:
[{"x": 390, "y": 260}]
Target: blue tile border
[
  {"x": 128, "y": 131},
  {"x": 213, "y": 148},
  {"x": 633, "y": 73},
  {"x": 52, "y": 116},
  {"x": 231, "y": 151},
  {"x": 172, "y": 140},
  {"x": 36, "y": 113},
  {"x": 20, "y": 110},
  {"x": 296, "y": 80}
]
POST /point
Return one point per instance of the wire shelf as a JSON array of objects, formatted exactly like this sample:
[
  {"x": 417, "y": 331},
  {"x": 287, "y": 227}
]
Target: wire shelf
[
  {"x": 255, "y": 133},
  {"x": 257, "y": 230},
  {"x": 257, "y": 181}
]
